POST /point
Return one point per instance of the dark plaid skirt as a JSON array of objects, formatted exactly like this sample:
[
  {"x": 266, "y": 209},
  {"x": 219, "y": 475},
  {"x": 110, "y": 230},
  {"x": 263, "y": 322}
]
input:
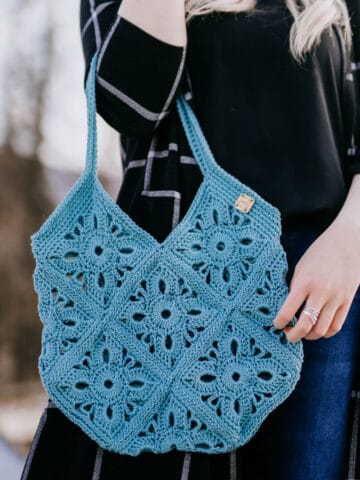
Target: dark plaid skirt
[
  {"x": 60, "y": 450},
  {"x": 312, "y": 435}
]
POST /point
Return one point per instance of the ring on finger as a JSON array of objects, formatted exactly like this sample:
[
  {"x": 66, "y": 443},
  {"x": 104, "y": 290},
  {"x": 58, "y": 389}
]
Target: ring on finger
[{"x": 312, "y": 313}]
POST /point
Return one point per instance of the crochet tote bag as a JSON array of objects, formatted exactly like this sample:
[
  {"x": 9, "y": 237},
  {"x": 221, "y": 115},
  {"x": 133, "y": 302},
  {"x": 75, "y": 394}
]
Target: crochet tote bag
[{"x": 154, "y": 346}]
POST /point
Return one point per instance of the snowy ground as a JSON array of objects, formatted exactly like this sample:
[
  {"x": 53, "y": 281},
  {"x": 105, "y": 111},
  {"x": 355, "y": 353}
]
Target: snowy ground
[
  {"x": 11, "y": 462},
  {"x": 19, "y": 418},
  {"x": 20, "y": 413}
]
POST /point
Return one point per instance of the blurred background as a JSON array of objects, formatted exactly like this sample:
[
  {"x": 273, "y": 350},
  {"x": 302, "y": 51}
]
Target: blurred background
[{"x": 42, "y": 152}]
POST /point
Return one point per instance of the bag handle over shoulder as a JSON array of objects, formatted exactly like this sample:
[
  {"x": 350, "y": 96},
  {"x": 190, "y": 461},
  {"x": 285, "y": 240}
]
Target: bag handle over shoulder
[
  {"x": 196, "y": 138},
  {"x": 197, "y": 141}
]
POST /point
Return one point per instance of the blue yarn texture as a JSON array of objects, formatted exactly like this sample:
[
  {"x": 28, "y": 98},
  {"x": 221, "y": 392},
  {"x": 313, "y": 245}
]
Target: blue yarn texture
[{"x": 152, "y": 346}]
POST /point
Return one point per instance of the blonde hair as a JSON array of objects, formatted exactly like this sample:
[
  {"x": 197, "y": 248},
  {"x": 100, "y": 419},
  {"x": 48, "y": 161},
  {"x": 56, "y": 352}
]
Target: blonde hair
[{"x": 311, "y": 18}]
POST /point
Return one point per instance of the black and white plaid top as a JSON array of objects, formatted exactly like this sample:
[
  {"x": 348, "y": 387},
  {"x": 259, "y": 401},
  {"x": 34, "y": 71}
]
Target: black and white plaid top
[{"x": 277, "y": 126}]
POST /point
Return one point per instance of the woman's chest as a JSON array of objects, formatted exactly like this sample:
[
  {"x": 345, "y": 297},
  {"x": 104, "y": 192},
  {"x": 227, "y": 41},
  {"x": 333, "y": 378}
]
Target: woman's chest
[{"x": 237, "y": 45}]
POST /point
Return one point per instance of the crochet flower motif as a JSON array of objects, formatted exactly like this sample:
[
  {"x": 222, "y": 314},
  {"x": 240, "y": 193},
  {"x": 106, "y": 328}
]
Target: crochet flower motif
[
  {"x": 176, "y": 426},
  {"x": 108, "y": 383},
  {"x": 166, "y": 315},
  {"x": 237, "y": 374},
  {"x": 96, "y": 254},
  {"x": 221, "y": 247}
]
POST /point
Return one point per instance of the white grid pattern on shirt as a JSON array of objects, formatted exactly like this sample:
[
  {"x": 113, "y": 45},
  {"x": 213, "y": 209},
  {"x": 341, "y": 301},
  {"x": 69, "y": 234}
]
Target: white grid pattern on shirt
[{"x": 140, "y": 109}]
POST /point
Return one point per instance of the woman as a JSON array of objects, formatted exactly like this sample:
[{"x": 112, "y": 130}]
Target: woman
[{"x": 273, "y": 84}]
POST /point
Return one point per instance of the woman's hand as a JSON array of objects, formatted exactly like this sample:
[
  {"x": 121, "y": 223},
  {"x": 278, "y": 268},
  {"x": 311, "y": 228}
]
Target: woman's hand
[{"x": 327, "y": 276}]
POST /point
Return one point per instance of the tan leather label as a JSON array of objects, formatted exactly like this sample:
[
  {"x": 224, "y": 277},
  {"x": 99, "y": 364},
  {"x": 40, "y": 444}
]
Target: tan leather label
[{"x": 244, "y": 202}]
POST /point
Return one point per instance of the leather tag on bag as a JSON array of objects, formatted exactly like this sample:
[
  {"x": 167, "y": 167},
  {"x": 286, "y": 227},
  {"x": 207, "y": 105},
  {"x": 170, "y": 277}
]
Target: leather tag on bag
[{"x": 244, "y": 202}]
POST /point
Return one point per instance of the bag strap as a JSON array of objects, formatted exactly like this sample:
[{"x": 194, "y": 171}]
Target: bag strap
[
  {"x": 91, "y": 148},
  {"x": 193, "y": 131},
  {"x": 196, "y": 138}
]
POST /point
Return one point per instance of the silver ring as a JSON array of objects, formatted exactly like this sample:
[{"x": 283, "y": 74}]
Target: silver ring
[{"x": 311, "y": 312}]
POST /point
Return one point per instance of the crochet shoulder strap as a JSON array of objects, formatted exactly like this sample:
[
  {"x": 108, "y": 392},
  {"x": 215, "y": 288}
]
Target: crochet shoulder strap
[
  {"x": 196, "y": 138},
  {"x": 91, "y": 148},
  {"x": 193, "y": 131}
]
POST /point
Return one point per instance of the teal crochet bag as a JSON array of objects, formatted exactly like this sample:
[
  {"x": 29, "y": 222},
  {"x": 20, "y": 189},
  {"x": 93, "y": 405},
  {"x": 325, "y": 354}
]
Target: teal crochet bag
[{"x": 154, "y": 346}]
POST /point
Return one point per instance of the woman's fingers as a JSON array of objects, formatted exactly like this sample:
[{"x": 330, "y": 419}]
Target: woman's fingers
[
  {"x": 304, "y": 323},
  {"x": 295, "y": 298},
  {"x": 338, "y": 319},
  {"x": 329, "y": 322}
]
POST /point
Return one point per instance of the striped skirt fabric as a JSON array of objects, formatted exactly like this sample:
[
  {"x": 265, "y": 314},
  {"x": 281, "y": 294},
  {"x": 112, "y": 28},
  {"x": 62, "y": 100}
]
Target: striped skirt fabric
[{"x": 60, "y": 450}]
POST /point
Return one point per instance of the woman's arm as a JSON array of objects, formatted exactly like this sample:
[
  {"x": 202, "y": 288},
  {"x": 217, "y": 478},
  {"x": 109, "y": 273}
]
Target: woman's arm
[
  {"x": 142, "y": 48},
  {"x": 327, "y": 276},
  {"x": 349, "y": 215}
]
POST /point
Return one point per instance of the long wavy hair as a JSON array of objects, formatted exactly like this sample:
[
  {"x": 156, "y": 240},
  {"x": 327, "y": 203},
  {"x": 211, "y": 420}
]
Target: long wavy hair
[{"x": 311, "y": 18}]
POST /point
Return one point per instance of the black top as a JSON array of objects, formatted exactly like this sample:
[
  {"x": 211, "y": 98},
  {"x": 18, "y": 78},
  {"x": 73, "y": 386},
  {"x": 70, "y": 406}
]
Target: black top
[{"x": 286, "y": 130}]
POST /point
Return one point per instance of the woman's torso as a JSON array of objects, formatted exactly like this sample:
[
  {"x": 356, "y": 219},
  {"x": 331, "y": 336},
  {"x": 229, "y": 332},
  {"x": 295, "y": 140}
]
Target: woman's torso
[
  {"x": 275, "y": 125},
  {"x": 282, "y": 128}
]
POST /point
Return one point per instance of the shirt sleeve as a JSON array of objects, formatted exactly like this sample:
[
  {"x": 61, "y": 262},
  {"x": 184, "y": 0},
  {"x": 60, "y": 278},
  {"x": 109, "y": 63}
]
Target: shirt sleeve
[
  {"x": 138, "y": 74},
  {"x": 353, "y": 76}
]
